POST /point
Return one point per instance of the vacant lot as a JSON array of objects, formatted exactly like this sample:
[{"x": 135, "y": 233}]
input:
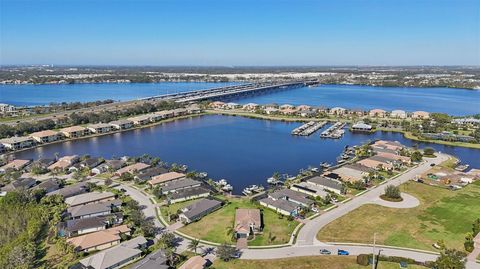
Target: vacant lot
[
  {"x": 442, "y": 214},
  {"x": 314, "y": 262},
  {"x": 217, "y": 227}
]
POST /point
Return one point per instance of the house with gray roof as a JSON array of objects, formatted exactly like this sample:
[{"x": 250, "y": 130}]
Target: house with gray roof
[
  {"x": 89, "y": 198},
  {"x": 117, "y": 256},
  {"x": 70, "y": 190},
  {"x": 281, "y": 206},
  {"x": 327, "y": 184},
  {"x": 20, "y": 184},
  {"x": 83, "y": 226},
  {"x": 180, "y": 184},
  {"x": 199, "y": 209},
  {"x": 293, "y": 196},
  {"x": 48, "y": 185},
  {"x": 93, "y": 210},
  {"x": 156, "y": 260},
  {"x": 121, "y": 124},
  {"x": 187, "y": 194}
]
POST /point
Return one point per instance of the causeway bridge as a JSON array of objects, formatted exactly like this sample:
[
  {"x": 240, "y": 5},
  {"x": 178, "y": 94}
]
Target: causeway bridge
[{"x": 231, "y": 91}]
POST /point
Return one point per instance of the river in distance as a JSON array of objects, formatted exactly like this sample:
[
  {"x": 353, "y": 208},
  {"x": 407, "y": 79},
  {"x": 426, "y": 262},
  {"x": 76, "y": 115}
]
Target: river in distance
[{"x": 244, "y": 151}]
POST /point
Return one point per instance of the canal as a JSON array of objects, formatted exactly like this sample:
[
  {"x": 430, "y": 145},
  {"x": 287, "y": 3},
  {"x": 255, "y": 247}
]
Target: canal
[{"x": 243, "y": 151}]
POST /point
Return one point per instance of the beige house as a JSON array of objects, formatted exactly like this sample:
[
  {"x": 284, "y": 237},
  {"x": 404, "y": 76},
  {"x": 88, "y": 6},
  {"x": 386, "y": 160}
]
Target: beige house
[
  {"x": 74, "y": 131},
  {"x": 337, "y": 111},
  {"x": 99, "y": 240},
  {"x": 400, "y": 114},
  {"x": 377, "y": 113},
  {"x": 100, "y": 128},
  {"x": 17, "y": 142},
  {"x": 133, "y": 168},
  {"x": 247, "y": 222},
  {"x": 195, "y": 262},
  {"x": 64, "y": 162},
  {"x": 46, "y": 136},
  {"x": 420, "y": 115},
  {"x": 89, "y": 198},
  {"x": 375, "y": 164},
  {"x": 165, "y": 178}
]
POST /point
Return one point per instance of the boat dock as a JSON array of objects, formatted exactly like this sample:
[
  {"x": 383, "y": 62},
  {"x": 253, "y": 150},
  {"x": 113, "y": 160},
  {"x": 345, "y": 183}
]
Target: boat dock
[
  {"x": 335, "y": 131},
  {"x": 308, "y": 128}
]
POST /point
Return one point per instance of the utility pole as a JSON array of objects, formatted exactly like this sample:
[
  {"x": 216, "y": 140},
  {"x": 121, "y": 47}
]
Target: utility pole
[{"x": 373, "y": 261}]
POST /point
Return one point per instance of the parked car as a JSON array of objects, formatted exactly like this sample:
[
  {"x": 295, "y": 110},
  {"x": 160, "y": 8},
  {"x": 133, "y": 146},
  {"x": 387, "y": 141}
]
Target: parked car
[
  {"x": 342, "y": 252},
  {"x": 325, "y": 251}
]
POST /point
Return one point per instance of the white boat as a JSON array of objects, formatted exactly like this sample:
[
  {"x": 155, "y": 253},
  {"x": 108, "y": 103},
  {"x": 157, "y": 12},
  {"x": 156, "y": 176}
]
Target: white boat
[{"x": 227, "y": 187}]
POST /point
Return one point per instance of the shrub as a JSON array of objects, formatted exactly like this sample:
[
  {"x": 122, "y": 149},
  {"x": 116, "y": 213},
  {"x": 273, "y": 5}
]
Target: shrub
[
  {"x": 363, "y": 259},
  {"x": 392, "y": 192}
]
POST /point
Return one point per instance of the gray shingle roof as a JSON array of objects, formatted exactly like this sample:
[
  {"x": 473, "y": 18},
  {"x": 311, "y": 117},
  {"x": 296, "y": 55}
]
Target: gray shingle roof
[
  {"x": 197, "y": 209},
  {"x": 323, "y": 181},
  {"x": 79, "y": 211},
  {"x": 179, "y": 184}
]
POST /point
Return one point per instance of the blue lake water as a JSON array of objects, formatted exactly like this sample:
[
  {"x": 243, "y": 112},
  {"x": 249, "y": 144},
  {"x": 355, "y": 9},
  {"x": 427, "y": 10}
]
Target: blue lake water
[
  {"x": 30, "y": 95},
  {"x": 446, "y": 100},
  {"x": 243, "y": 151},
  {"x": 451, "y": 101}
]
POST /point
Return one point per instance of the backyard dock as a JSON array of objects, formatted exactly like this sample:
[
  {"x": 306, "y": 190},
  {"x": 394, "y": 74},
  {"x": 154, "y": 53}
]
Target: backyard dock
[{"x": 335, "y": 131}]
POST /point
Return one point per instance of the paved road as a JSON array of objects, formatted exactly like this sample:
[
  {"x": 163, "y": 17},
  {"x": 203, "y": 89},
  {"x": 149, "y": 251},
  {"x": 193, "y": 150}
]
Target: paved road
[{"x": 307, "y": 235}]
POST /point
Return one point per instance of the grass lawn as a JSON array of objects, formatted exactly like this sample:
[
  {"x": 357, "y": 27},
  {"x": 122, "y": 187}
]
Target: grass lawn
[
  {"x": 313, "y": 262},
  {"x": 215, "y": 227},
  {"x": 442, "y": 214}
]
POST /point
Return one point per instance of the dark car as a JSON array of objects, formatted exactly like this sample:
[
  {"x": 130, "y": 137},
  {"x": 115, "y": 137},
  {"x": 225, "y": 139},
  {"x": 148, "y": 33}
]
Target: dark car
[
  {"x": 342, "y": 252},
  {"x": 123, "y": 190},
  {"x": 325, "y": 251},
  {"x": 432, "y": 165}
]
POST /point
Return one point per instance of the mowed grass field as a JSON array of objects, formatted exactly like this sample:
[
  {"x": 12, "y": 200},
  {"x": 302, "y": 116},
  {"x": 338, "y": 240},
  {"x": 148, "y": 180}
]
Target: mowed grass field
[
  {"x": 313, "y": 262},
  {"x": 442, "y": 214},
  {"x": 217, "y": 226}
]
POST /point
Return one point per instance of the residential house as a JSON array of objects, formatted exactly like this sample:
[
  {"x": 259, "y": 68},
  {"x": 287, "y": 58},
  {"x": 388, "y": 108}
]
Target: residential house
[
  {"x": 17, "y": 142},
  {"x": 74, "y": 131},
  {"x": 117, "y": 256},
  {"x": 109, "y": 165},
  {"x": 46, "y": 136},
  {"x": 195, "y": 262},
  {"x": 307, "y": 113},
  {"x": 89, "y": 198},
  {"x": 288, "y": 111},
  {"x": 395, "y": 157},
  {"x": 392, "y": 145},
  {"x": 166, "y": 177},
  {"x": 180, "y": 112},
  {"x": 247, "y": 222},
  {"x": 155, "y": 260},
  {"x": 309, "y": 189},
  {"x": 70, "y": 190},
  {"x": 339, "y": 111},
  {"x": 93, "y": 210},
  {"x": 271, "y": 110},
  {"x": 42, "y": 163},
  {"x": 48, "y": 185},
  {"x": 420, "y": 115},
  {"x": 99, "y": 240},
  {"x": 99, "y": 128},
  {"x": 375, "y": 164},
  {"x": 353, "y": 172},
  {"x": 199, "y": 209},
  {"x": 377, "y": 113},
  {"x": 287, "y": 202},
  {"x": 17, "y": 164},
  {"x": 140, "y": 120},
  {"x": 76, "y": 227},
  {"x": 149, "y": 173},
  {"x": 64, "y": 162},
  {"x": 291, "y": 195},
  {"x": 179, "y": 184},
  {"x": 164, "y": 114},
  {"x": 187, "y": 194},
  {"x": 121, "y": 124},
  {"x": 399, "y": 114},
  {"x": 286, "y": 107},
  {"x": 217, "y": 104},
  {"x": 132, "y": 169},
  {"x": 327, "y": 184},
  {"x": 250, "y": 106},
  {"x": 20, "y": 184},
  {"x": 232, "y": 105},
  {"x": 361, "y": 127},
  {"x": 304, "y": 108}
]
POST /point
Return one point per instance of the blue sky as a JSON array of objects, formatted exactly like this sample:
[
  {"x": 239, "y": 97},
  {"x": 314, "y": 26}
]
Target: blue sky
[{"x": 229, "y": 32}]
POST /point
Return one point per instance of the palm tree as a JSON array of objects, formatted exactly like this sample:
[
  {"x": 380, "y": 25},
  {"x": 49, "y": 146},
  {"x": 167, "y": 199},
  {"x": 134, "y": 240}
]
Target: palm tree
[{"x": 193, "y": 245}]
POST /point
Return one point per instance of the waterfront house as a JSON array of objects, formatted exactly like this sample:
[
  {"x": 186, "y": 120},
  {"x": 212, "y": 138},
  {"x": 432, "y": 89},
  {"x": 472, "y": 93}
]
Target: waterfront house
[
  {"x": 99, "y": 128},
  {"x": 121, "y": 124},
  {"x": 64, "y": 162},
  {"x": 179, "y": 112},
  {"x": 287, "y": 202},
  {"x": 232, "y": 105},
  {"x": 42, "y": 163},
  {"x": 93, "y": 210},
  {"x": 140, "y": 120},
  {"x": 281, "y": 206},
  {"x": 89, "y": 198},
  {"x": 391, "y": 145},
  {"x": 395, "y": 157},
  {"x": 375, "y": 164},
  {"x": 304, "y": 108},
  {"x": 17, "y": 164},
  {"x": 307, "y": 113},
  {"x": 339, "y": 111},
  {"x": 199, "y": 209},
  {"x": 309, "y": 189},
  {"x": 250, "y": 106},
  {"x": 74, "y": 131},
  {"x": 465, "y": 121},
  {"x": 247, "y": 222},
  {"x": 271, "y": 110},
  {"x": 70, "y": 190},
  {"x": 377, "y": 113},
  {"x": 194, "y": 109},
  {"x": 361, "y": 127},
  {"x": 420, "y": 115},
  {"x": 353, "y": 172},
  {"x": 154, "y": 117},
  {"x": 132, "y": 169},
  {"x": 149, "y": 173},
  {"x": 46, "y": 136},
  {"x": 164, "y": 114},
  {"x": 399, "y": 114},
  {"x": 109, "y": 165},
  {"x": 288, "y": 111},
  {"x": 327, "y": 184},
  {"x": 357, "y": 112},
  {"x": 17, "y": 142},
  {"x": 293, "y": 196},
  {"x": 195, "y": 262},
  {"x": 155, "y": 260},
  {"x": 286, "y": 106},
  {"x": 179, "y": 184},
  {"x": 117, "y": 256},
  {"x": 187, "y": 194},
  {"x": 162, "y": 178}
]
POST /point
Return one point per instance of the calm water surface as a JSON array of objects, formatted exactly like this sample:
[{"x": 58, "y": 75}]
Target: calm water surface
[
  {"x": 243, "y": 151},
  {"x": 29, "y": 95},
  {"x": 446, "y": 100}
]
